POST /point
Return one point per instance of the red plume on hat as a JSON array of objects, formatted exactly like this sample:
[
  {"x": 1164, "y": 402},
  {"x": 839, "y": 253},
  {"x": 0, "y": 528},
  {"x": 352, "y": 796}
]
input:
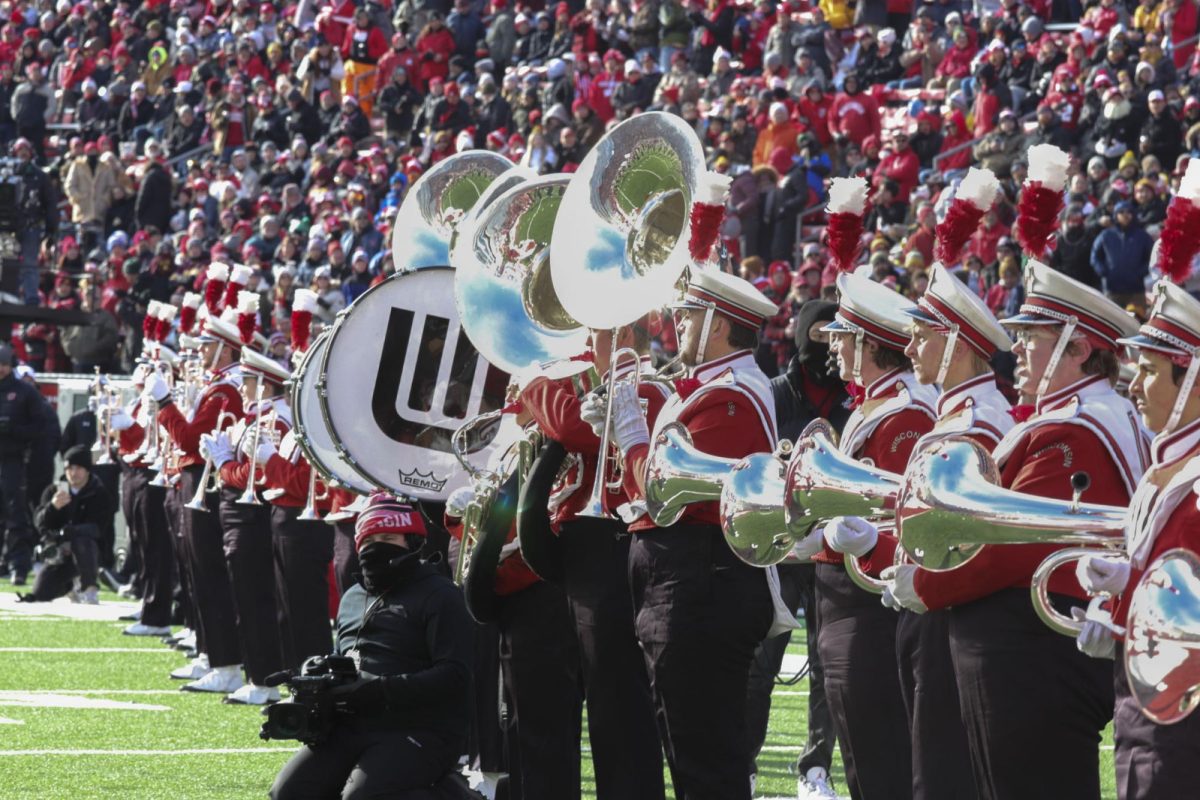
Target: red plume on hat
[
  {"x": 247, "y": 316},
  {"x": 150, "y": 322},
  {"x": 188, "y": 311},
  {"x": 165, "y": 317},
  {"x": 1180, "y": 239},
  {"x": 239, "y": 276},
  {"x": 972, "y": 200},
  {"x": 214, "y": 287},
  {"x": 304, "y": 305},
  {"x": 1041, "y": 202},
  {"x": 708, "y": 209},
  {"x": 844, "y": 231}
]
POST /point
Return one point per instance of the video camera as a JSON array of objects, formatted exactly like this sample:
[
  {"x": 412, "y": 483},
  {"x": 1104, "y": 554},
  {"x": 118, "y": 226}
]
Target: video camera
[{"x": 308, "y": 716}]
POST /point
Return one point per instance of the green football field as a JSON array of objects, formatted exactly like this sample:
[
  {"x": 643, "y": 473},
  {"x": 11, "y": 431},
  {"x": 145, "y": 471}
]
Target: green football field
[{"x": 88, "y": 713}]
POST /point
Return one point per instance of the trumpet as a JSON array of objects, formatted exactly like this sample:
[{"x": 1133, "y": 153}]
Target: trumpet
[
  {"x": 250, "y": 497},
  {"x": 209, "y": 482},
  {"x": 595, "y": 504},
  {"x": 309, "y": 512},
  {"x": 106, "y": 401}
]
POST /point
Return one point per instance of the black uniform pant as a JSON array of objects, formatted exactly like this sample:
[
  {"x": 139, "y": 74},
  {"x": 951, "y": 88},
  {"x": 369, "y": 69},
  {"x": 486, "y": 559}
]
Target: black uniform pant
[
  {"x": 212, "y": 597},
  {"x": 1153, "y": 761},
  {"x": 19, "y": 535},
  {"x": 539, "y": 661},
  {"x": 250, "y": 559},
  {"x": 1034, "y": 706},
  {"x": 184, "y": 612},
  {"x": 796, "y": 588},
  {"x": 303, "y": 550},
  {"x": 110, "y": 476},
  {"x": 355, "y": 764},
  {"x": 626, "y": 753},
  {"x": 941, "y": 762},
  {"x": 700, "y": 614},
  {"x": 857, "y": 642},
  {"x": 133, "y": 482},
  {"x": 345, "y": 556},
  {"x": 154, "y": 546}
]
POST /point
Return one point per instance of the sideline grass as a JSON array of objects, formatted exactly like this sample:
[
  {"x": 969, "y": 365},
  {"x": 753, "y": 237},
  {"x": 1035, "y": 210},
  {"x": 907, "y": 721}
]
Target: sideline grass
[{"x": 201, "y": 722}]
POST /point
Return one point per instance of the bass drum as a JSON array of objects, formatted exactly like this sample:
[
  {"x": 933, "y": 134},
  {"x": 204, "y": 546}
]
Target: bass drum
[
  {"x": 308, "y": 425},
  {"x": 398, "y": 378}
]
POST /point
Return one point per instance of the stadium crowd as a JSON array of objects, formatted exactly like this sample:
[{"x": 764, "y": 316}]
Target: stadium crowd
[{"x": 158, "y": 137}]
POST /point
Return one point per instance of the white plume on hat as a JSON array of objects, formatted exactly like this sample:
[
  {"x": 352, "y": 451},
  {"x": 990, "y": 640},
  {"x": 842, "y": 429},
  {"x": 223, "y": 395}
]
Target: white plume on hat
[
  {"x": 192, "y": 300},
  {"x": 305, "y": 300},
  {"x": 978, "y": 188},
  {"x": 848, "y": 196},
  {"x": 240, "y": 275},
  {"x": 217, "y": 272},
  {"x": 713, "y": 188},
  {"x": 1048, "y": 164},
  {"x": 1189, "y": 186},
  {"x": 152, "y": 309},
  {"x": 248, "y": 302},
  {"x": 166, "y": 312}
]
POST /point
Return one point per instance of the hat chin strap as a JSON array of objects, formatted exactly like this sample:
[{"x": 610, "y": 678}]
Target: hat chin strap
[
  {"x": 705, "y": 328},
  {"x": 947, "y": 355},
  {"x": 1060, "y": 347},
  {"x": 1185, "y": 389},
  {"x": 859, "y": 336}
]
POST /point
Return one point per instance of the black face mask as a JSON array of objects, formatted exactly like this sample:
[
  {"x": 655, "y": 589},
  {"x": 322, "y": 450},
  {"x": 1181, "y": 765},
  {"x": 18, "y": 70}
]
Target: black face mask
[
  {"x": 384, "y": 565},
  {"x": 813, "y": 356}
]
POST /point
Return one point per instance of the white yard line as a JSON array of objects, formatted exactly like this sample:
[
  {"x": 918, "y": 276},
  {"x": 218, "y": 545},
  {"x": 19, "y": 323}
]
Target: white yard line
[
  {"x": 154, "y": 650},
  {"x": 159, "y": 692},
  {"x": 7, "y": 721},
  {"x": 214, "y": 751}
]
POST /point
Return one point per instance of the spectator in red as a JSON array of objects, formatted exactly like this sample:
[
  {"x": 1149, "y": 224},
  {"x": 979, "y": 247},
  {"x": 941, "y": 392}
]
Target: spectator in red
[
  {"x": 812, "y": 110},
  {"x": 853, "y": 115},
  {"x": 364, "y": 44},
  {"x": 435, "y": 45},
  {"x": 956, "y": 62},
  {"x": 984, "y": 241},
  {"x": 401, "y": 55},
  {"x": 901, "y": 165}
]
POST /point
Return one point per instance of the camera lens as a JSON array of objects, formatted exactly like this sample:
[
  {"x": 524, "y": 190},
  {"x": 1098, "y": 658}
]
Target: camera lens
[{"x": 287, "y": 720}]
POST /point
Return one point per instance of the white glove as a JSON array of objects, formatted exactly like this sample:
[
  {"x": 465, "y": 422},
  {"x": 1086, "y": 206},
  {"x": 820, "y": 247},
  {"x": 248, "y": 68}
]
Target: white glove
[
  {"x": 851, "y": 535},
  {"x": 139, "y": 374},
  {"x": 810, "y": 545},
  {"x": 156, "y": 387},
  {"x": 120, "y": 420},
  {"x": 628, "y": 422},
  {"x": 900, "y": 587},
  {"x": 591, "y": 411},
  {"x": 1102, "y": 574},
  {"x": 459, "y": 499},
  {"x": 217, "y": 447},
  {"x": 888, "y": 600},
  {"x": 93, "y": 404},
  {"x": 265, "y": 450},
  {"x": 1095, "y": 639}
]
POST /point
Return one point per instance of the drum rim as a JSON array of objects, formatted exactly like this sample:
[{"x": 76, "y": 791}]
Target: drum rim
[{"x": 302, "y": 429}]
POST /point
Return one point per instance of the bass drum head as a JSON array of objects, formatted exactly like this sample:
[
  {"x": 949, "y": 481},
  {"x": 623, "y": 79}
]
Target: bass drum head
[
  {"x": 311, "y": 434},
  {"x": 399, "y": 376}
]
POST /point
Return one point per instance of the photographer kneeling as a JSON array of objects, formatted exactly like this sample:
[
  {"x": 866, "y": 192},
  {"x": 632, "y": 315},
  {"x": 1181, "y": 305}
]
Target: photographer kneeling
[
  {"x": 70, "y": 519},
  {"x": 400, "y": 726}
]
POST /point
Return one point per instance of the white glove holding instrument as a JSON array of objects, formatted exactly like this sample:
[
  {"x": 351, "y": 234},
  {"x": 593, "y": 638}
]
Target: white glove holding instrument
[
  {"x": 266, "y": 449},
  {"x": 628, "y": 422},
  {"x": 809, "y": 546},
  {"x": 217, "y": 447},
  {"x": 900, "y": 588},
  {"x": 156, "y": 387},
  {"x": 851, "y": 535},
  {"x": 120, "y": 420},
  {"x": 1102, "y": 574},
  {"x": 1095, "y": 639},
  {"x": 592, "y": 410}
]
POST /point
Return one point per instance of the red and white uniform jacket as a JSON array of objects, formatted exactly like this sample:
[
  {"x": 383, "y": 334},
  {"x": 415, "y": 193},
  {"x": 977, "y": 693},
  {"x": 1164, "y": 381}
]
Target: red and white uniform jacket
[
  {"x": 1165, "y": 511},
  {"x": 235, "y": 474},
  {"x": 976, "y": 410},
  {"x": 221, "y": 394},
  {"x": 555, "y": 407},
  {"x": 1085, "y": 427},
  {"x": 729, "y": 410},
  {"x": 896, "y": 412},
  {"x": 287, "y": 477},
  {"x": 130, "y": 439}
]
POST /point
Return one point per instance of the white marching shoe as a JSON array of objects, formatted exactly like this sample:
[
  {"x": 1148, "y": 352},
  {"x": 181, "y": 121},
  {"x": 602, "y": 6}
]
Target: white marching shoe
[
  {"x": 221, "y": 680},
  {"x": 814, "y": 785},
  {"x": 138, "y": 629},
  {"x": 194, "y": 670},
  {"x": 253, "y": 695}
]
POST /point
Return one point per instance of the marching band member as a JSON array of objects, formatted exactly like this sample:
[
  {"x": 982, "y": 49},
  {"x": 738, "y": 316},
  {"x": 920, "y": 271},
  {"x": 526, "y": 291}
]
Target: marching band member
[
  {"x": 539, "y": 662},
  {"x": 1155, "y": 760},
  {"x": 626, "y": 753},
  {"x": 303, "y": 547},
  {"x": 692, "y": 596},
  {"x": 345, "y": 556},
  {"x": 893, "y": 410},
  {"x": 1033, "y": 706},
  {"x": 247, "y": 525},
  {"x": 954, "y": 336},
  {"x": 202, "y": 537}
]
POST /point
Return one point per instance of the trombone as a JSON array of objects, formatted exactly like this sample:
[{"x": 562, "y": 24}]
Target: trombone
[
  {"x": 209, "y": 482},
  {"x": 309, "y": 512},
  {"x": 250, "y": 496},
  {"x": 106, "y": 401},
  {"x": 595, "y": 503}
]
